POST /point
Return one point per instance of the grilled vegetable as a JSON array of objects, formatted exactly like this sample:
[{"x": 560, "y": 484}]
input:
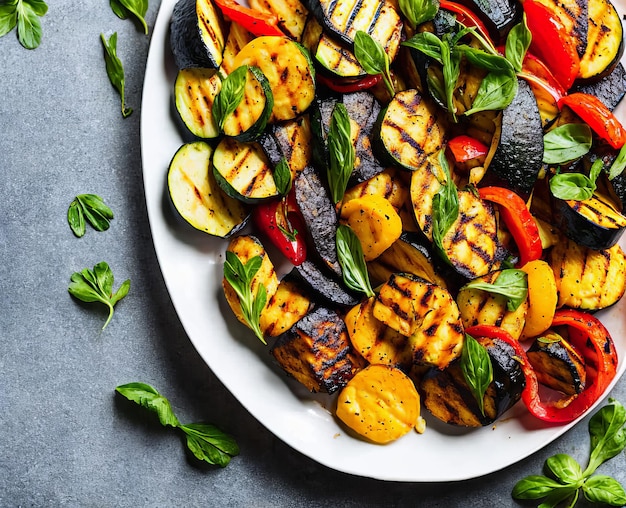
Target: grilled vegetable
[
  {"x": 542, "y": 298},
  {"x": 196, "y": 195},
  {"x": 447, "y": 396},
  {"x": 289, "y": 70},
  {"x": 195, "y": 90},
  {"x": 482, "y": 307},
  {"x": 605, "y": 44},
  {"x": 317, "y": 353},
  {"x": 379, "y": 403},
  {"x": 324, "y": 285},
  {"x": 285, "y": 308},
  {"x": 243, "y": 171},
  {"x": 410, "y": 130},
  {"x": 498, "y": 15},
  {"x": 573, "y": 16},
  {"x": 557, "y": 364},
  {"x": 585, "y": 278},
  {"x": 237, "y": 38},
  {"x": 610, "y": 89},
  {"x": 197, "y": 34},
  {"x": 291, "y": 14},
  {"x": 293, "y": 138},
  {"x": 426, "y": 314}
]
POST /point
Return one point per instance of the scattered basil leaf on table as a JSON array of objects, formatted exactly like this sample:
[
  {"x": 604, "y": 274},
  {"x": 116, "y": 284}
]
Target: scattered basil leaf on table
[
  {"x": 566, "y": 142},
  {"x": 115, "y": 69},
  {"x": 23, "y": 14},
  {"x": 88, "y": 208},
  {"x": 576, "y": 186},
  {"x": 373, "y": 58},
  {"x": 97, "y": 286},
  {"x": 207, "y": 442},
  {"x": 126, "y": 8},
  {"x": 353, "y": 267},
  {"x": 230, "y": 95},
  {"x": 418, "y": 11},
  {"x": 477, "y": 369},
  {"x": 565, "y": 479},
  {"x": 510, "y": 283},
  {"x": 240, "y": 277},
  {"x": 340, "y": 151}
]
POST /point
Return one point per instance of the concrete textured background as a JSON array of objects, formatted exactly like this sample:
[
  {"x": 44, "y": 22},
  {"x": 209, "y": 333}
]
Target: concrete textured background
[{"x": 65, "y": 439}]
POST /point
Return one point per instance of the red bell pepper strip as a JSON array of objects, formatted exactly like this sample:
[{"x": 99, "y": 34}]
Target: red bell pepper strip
[
  {"x": 466, "y": 17},
  {"x": 591, "y": 339},
  {"x": 601, "y": 120},
  {"x": 343, "y": 85},
  {"x": 465, "y": 148},
  {"x": 518, "y": 220},
  {"x": 258, "y": 23},
  {"x": 537, "y": 73},
  {"x": 552, "y": 42},
  {"x": 282, "y": 222}
]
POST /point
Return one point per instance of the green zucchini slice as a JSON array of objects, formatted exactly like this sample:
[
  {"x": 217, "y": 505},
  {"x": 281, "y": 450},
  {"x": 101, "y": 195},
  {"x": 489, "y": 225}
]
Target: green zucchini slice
[
  {"x": 196, "y": 196},
  {"x": 195, "y": 90}
]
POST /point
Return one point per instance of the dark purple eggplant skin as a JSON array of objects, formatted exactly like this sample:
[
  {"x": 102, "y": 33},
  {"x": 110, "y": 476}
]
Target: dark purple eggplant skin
[
  {"x": 497, "y": 15},
  {"x": 519, "y": 157},
  {"x": 581, "y": 230},
  {"x": 610, "y": 89},
  {"x": 319, "y": 216},
  {"x": 327, "y": 287}
]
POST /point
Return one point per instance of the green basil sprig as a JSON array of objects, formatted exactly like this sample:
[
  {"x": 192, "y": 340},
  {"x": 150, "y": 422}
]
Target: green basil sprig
[
  {"x": 477, "y": 369},
  {"x": 576, "y": 186},
  {"x": 496, "y": 91},
  {"x": 564, "y": 478},
  {"x": 373, "y": 58},
  {"x": 353, "y": 267},
  {"x": 115, "y": 69},
  {"x": 510, "y": 283},
  {"x": 282, "y": 177},
  {"x": 88, "y": 208},
  {"x": 126, "y": 8},
  {"x": 230, "y": 95},
  {"x": 207, "y": 442},
  {"x": 517, "y": 43},
  {"x": 445, "y": 205},
  {"x": 97, "y": 286},
  {"x": 23, "y": 14},
  {"x": 566, "y": 143},
  {"x": 340, "y": 151},
  {"x": 618, "y": 165},
  {"x": 417, "y": 12},
  {"x": 240, "y": 277}
]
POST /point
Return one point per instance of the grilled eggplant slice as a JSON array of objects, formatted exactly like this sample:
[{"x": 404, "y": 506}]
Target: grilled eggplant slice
[
  {"x": 289, "y": 70},
  {"x": 410, "y": 130},
  {"x": 197, "y": 34},
  {"x": 585, "y": 278},
  {"x": 498, "y": 15},
  {"x": 316, "y": 351},
  {"x": 557, "y": 364},
  {"x": 605, "y": 44},
  {"x": 518, "y": 143},
  {"x": 324, "y": 285},
  {"x": 481, "y": 307},
  {"x": 447, "y": 396},
  {"x": 195, "y": 90},
  {"x": 610, "y": 89},
  {"x": 196, "y": 195},
  {"x": 243, "y": 171},
  {"x": 293, "y": 138},
  {"x": 426, "y": 314}
]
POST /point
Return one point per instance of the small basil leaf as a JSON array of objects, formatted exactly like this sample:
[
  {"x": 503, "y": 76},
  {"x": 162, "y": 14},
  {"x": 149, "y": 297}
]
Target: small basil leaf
[
  {"x": 484, "y": 60},
  {"x": 534, "y": 487},
  {"x": 149, "y": 398},
  {"x": 604, "y": 489},
  {"x": 496, "y": 91},
  {"x": 28, "y": 24},
  {"x": 137, "y": 8},
  {"x": 618, "y": 165},
  {"x": 607, "y": 432},
  {"x": 76, "y": 218},
  {"x": 418, "y": 11},
  {"x": 517, "y": 43},
  {"x": 428, "y": 43},
  {"x": 477, "y": 369},
  {"x": 8, "y": 17},
  {"x": 115, "y": 69},
  {"x": 282, "y": 177},
  {"x": 213, "y": 435},
  {"x": 372, "y": 57},
  {"x": 564, "y": 468},
  {"x": 510, "y": 283},
  {"x": 230, "y": 95},
  {"x": 341, "y": 152},
  {"x": 566, "y": 142},
  {"x": 350, "y": 254},
  {"x": 38, "y": 7},
  {"x": 445, "y": 205},
  {"x": 451, "y": 71},
  {"x": 575, "y": 186}
]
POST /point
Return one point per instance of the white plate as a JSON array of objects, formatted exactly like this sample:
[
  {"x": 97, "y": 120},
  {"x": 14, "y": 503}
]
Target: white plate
[{"x": 192, "y": 268}]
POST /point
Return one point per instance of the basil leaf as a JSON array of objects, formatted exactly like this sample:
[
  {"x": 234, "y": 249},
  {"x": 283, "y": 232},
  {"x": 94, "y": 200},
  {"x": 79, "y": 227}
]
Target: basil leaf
[
  {"x": 604, "y": 489},
  {"x": 28, "y": 23},
  {"x": 341, "y": 152},
  {"x": 565, "y": 493},
  {"x": 125, "y": 8},
  {"x": 534, "y": 487},
  {"x": 566, "y": 142},
  {"x": 451, "y": 71},
  {"x": 608, "y": 435},
  {"x": 445, "y": 205},
  {"x": 76, "y": 218},
  {"x": 282, "y": 176},
  {"x": 148, "y": 397},
  {"x": 92, "y": 208},
  {"x": 38, "y": 7},
  {"x": 418, "y": 11},
  {"x": 372, "y": 57},
  {"x": 350, "y": 254},
  {"x": 210, "y": 444},
  {"x": 574, "y": 186},
  {"x": 230, "y": 95},
  {"x": 510, "y": 283},
  {"x": 496, "y": 91},
  {"x": 115, "y": 69},
  {"x": 517, "y": 43},
  {"x": 428, "y": 43},
  {"x": 240, "y": 277},
  {"x": 618, "y": 165},
  {"x": 564, "y": 468},
  {"x": 484, "y": 60},
  {"x": 8, "y": 17},
  {"x": 477, "y": 369}
]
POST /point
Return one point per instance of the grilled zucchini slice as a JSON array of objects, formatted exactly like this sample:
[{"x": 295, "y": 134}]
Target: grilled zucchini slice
[
  {"x": 197, "y": 34},
  {"x": 285, "y": 308},
  {"x": 289, "y": 70},
  {"x": 195, "y": 90},
  {"x": 292, "y": 15},
  {"x": 585, "y": 278},
  {"x": 196, "y": 195},
  {"x": 316, "y": 352},
  {"x": 237, "y": 38},
  {"x": 243, "y": 171}
]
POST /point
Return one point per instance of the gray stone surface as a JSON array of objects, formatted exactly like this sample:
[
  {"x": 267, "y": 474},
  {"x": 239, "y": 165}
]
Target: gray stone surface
[{"x": 65, "y": 439}]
